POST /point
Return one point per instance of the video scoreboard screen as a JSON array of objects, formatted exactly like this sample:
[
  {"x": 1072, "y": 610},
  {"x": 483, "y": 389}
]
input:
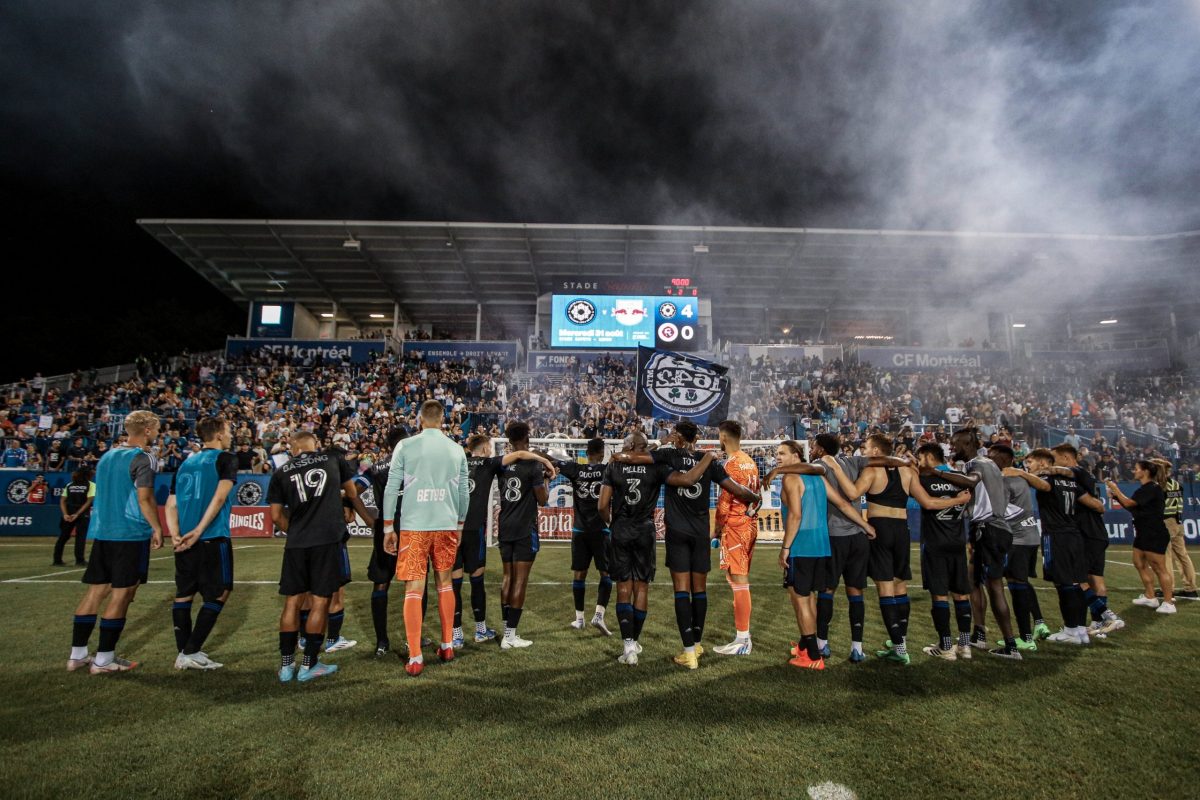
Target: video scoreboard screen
[{"x": 624, "y": 321}]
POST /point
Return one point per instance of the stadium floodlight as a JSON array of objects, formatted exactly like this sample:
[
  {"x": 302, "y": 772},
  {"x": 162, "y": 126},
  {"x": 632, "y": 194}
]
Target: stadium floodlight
[
  {"x": 327, "y": 315},
  {"x": 352, "y": 244},
  {"x": 1018, "y": 324},
  {"x": 1108, "y": 322},
  {"x": 376, "y": 316}
]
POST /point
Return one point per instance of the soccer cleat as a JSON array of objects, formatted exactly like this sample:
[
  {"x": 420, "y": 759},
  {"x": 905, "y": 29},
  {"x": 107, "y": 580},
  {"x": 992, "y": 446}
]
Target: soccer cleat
[
  {"x": 578, "y": 623},
  {"x": 510, "y": 642},
  {"x": 793, "y": 649},
  {"x": 687, "y": 660},
  {"x": 78, "y": 663},
  {"x": 382, "y": 648},
  {"x": 1041, "y": 631},
  {"x": 1094, "y": 629},
  {"x": 1190, "y": 594},
  {"x": 1021, "y": 645},
  {"x": 196, "y": 661},
  {"x": 342, "y": 643},
  {"x": 300, "y": 643},
  {"x": 318, "y": 670},
  {"x": 1110, "y": 625},
  {"x": 980, "y": 644},
  {"x": 414, "y": 668},
  {"x": 699, "y": 649},
  {"x": 857, "y": 657},
  {"x": 894, "y": 657},
  {"x": 598, "y": 624},
  {"x": 937, "y": 652},
  {"x": 1004, "y": 652},
  {"x": 742, "y": 647},
  {"x": 804, "y": 662},
  {"x": 118, "y": 664},
  {"x": 426, "y": 642},
  {"x": 1166, "y": 608},
  {"x": 286, "y": 673},
  {"x": 1066, "y": 637},
  {"x": 487, "y": 635},
  {"x": 825, "y": 652},
  {"x": 963, "y": 652},
  {"x": 629, "y": 658},
  {"x": 445, "y": 654},
  {"x": 1148, "y": 602},
  {"x": 458, "y": 643}
]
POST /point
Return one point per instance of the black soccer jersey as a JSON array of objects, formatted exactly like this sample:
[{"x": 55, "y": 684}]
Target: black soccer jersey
[
  {"x": 585, "y": 484},
  {"x": 481, "y": 471},
  {"x": 686, "y": 507},
  {"x": 942, "y": 531},
  {"x": 1057, "y": 506},
  {"x": 1091, "y": 523},
  {"x": 518, "y": 505},
  {"x": 310, "y": 487},
  {"x": 634, "y": 490}
]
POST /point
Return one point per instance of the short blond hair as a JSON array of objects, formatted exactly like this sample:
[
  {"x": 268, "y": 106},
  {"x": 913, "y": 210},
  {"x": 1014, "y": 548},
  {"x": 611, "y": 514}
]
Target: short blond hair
[{"x": 139, "y": 422}]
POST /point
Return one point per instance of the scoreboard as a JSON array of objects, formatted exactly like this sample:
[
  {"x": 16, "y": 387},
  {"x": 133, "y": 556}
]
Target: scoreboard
[{"x": 668, "y": 321}]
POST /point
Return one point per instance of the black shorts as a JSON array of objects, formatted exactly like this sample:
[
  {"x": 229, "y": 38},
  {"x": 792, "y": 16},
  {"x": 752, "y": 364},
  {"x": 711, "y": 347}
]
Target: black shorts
[
  {"x": 687, "y": 552},
  {"x": 1063, "y": 559},
  {"x": 945, "y": 573},
  {"x": 806, "y": 574},
  {"x": 320, "y": 570},
  {"x": 851, "y": 554},
  {"x": 1094, "y": 551},
  {"x": 472, "y": 550},
  {"x": 888, "y": 559},
  {"x": 588, "y": 547},
  {"x": 1148, "y": 544},
  {"x": 205, "y": 568},
  {"x": 990, "y": 546},
  {"x": 382, "y": 566},
  {"x": 524, "y": 549},
  {"x": 632, "y": 553},
  {"x": 118, "y": 563},
  {"x": 1022, "y": 563}
]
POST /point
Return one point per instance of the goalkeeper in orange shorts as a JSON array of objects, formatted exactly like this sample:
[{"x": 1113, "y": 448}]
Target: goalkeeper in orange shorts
[{"x": 737, "y": 529}]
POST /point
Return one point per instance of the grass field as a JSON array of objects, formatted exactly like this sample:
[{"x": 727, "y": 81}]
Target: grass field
[{"x": 563, "y": 719}]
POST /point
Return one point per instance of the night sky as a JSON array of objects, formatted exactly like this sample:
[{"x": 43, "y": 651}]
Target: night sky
[{"x": 1059, "y": 117}]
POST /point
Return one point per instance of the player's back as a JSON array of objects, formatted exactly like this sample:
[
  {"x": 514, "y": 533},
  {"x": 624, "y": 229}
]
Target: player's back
[
  {"x": 686, "y": 507},
  {"x": 1057, "y": 506},
  {"x": 635, "y": 490},
  {"x": 194, "y": 485},
  {"x": 518, "y": 503},
  {"x": 585, "y": 486},
  {"x": 481, "y": 472},
  {"x": 309, "y": 485},
  {"x": 812, "y": 534},
  {"x": 741, "y": 469},
  {"x": 942, "y": 530},
  {"x": 116, "y": 514},
  {"x": 1090, "y": 523},
  {"x": 1023, "y": 522}
]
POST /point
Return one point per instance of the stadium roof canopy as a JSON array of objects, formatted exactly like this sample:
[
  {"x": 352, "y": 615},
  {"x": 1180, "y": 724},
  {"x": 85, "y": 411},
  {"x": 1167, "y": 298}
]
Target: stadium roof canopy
[{"x": 759, "y": 279}]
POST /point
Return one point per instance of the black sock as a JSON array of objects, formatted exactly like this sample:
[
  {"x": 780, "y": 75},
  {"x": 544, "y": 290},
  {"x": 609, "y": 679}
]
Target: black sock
[
  {"x": 1080, "y": 607},
  {"x": 639, "y": 619},
  {"x": 81, "y": 630},
  {"x": 457, "y": 584},
  {"x": 941, "y": 623},
  {"x": 181, "y": 617},
  {"x": 1020, "y": 608},
  {"x": 577, "y": 590},
  {"x": 604, "y": 592},
  {"x": 312, "y": 649},
  {"x": 504, "y": 613},
  {"x": 962, "y": 614},
  {"x": 514, "y": 618},
  {"x": 902, "y": 609},
  {"x": 1097, "y": 603},
  {"x": 683, "y": 617},
  {"x": 808, "y": 643},
  {"x": 699, "y": 612},
  {"x": 891, "y": 621},
  {"x": 478, "y": 598},
  {"x": 379, "y": 612},
  {"x": 288, "y": 640},
  {"x": 824, "y": 614},
  {"x": 1035, "y": 608},
  {"x": 204, "y": 625},
  {"x": 333, "y": 625},
  {"x": 858, "y": 617},
  {"x": 978, "y": 633},
  {"x": 625, "y": 617},
  {"x": 110, "y": 633}
]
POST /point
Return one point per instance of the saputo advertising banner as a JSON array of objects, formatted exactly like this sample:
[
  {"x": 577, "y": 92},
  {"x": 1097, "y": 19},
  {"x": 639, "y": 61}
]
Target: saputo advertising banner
[
  {"x": 355, "y": 351},
  {"x": 916, "y": 359},
  {"x": 436, "y": 352}
]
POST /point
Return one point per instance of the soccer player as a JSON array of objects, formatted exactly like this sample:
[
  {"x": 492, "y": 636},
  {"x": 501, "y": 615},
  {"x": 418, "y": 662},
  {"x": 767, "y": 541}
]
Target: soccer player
[
  {"x": 737, "y": 529},
  {"x": 1022, "y": 560},
  {"x": 689, "y": 556},
  {"x": 124, "y": 530},
  {"x": 433, "y": 471},
  {"x": 1064, "y": 558},
  {"x": 1150, "y": 536},
  {"x": 198, "y": 519},
  {"x": 628, "y": 496},
  {"x": 305, "y": 496},
  {"x": 805, "y": 554},
  {"x": 944, "y": 568},
  {"x": 482, "y": 469},
  {"x": 589, "y": 535},
  {"x": 76, "y": 508},
  {"x": 887, "y": 490},
  {"x": 382, "y": 566}
]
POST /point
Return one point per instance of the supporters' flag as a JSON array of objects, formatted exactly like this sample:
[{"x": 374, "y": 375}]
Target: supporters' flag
[{"x": 675, "y": 385}]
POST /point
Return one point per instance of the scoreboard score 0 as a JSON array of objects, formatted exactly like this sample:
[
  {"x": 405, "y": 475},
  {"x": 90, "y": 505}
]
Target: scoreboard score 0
[{"x": 625, "y": 321}]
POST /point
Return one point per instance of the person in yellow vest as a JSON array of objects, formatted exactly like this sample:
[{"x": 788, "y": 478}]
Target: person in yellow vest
[{"x": 1177, "y": 554}]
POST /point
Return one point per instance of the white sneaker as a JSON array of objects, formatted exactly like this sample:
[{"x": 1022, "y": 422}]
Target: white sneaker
[
  {"x": 196, "y": 661},
  {"x": 738, "y": 647},
  {"x": 509, "y": 642},
  {"x": 1066, "y": 637},
  {"x": 629, "y": 658},
  {"x": 598, "y": 624},
  {"x": 342, "y": 643},
  {"x": 963, "y": 651},
  {"x": 578, "y": 624},
  {"x": 1166, "y": 608},
  {"x": 1114, "y": 624},
  {"x": 1095, "y": 628},
  {"x": 1148, "y": 602}
]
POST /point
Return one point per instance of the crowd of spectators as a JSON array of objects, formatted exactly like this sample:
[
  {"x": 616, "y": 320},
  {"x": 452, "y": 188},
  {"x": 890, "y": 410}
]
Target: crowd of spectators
[{"x": 353, "y": 406}]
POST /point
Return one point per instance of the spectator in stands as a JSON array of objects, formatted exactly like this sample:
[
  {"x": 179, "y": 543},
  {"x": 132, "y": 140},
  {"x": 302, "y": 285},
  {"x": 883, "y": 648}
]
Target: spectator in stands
[
  {"x": 55, "y": 457},
  {"x": 15, "y": 456}
]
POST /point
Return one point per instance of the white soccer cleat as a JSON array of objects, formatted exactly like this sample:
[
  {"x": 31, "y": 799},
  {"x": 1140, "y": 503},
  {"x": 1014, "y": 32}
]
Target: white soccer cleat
[
  {"x": 342, "y": 643},
  {"x": 195, "y": 661},
  {"x": 1114, "y": 624},
  {"x": 1066, "y": 637},
  {"x": 78, "y": 663},
  {"x": 629, "y": 658},
  {"x": 514, "y": 641},
  {"x": 1148, "y": 602},
  {"x": 738, "y": 647},
  {"x": 598, "y": 624},
  {"x": 937, "y": 652},
  {"x": 1166, "y": 608},
  {"x": 116, "y": 665},
  {"x": 962, "y": 652},
  {"x": 578, "y": 624}
]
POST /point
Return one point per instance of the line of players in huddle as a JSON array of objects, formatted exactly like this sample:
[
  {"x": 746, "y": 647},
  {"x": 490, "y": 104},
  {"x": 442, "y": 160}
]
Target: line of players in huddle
[{"x": 978, "y": 530}]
